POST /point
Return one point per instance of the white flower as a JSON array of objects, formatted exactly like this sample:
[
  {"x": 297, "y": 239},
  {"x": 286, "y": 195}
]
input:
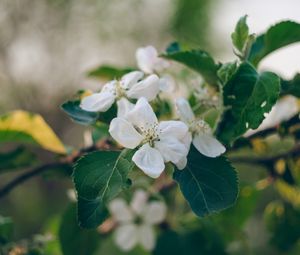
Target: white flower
[
  {"x": 149, "y": 61},
  {"x": 130, "y": 86},
  {"x": 203, "y": 139},
  {"x": 136, "y": 222},
  {"x": 158, "y": 142}
]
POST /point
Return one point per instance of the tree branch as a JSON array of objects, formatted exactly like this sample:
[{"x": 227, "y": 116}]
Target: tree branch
[{"x": 25, "y": 176}]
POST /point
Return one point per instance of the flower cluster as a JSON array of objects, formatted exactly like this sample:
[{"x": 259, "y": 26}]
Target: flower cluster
[{"x": 136, "y": 125}]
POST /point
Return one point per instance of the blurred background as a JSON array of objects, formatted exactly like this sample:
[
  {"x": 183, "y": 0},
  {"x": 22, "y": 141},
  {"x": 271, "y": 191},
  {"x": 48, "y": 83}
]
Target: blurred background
[{"x": 47, "y": 46}]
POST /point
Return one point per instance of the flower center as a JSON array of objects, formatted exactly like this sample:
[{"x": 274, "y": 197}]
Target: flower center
[
  {"x": 119, "y": 90},
  {"x": 150, "y": 133},
  {"x": 199, "y": 127}
]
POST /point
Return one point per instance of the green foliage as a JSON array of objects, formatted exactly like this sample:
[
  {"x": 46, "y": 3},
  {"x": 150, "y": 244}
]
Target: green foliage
[
  {"x": 109, "y": 72},
  {"x": 16, "y": 159},
  {"x": 247, "y": 96},
  {"x": 208, "y": 184},
  {"x": 98, "y": 178},
  {"x": 198, "y": 60},
  {"x": 283, "y": 218},
  {"x": 226, "y": 71},
  {"x": 240, "y": 35},
  {"x": 73, "y": 239},
  {"x": 276, "y": 37},
  {"x": 6, "y": 230},
  {"x": 291, "y": 87},
  {"x": 78, "y": 115}
]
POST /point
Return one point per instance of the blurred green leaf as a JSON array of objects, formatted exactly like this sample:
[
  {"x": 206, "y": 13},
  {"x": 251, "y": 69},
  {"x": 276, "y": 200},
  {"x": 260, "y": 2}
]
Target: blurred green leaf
[
  {"x": 226, "y": 71},
  {"x": 240, "y": 35},
  {"x": 78, "y": 115},
  {"x": 16, "y": 159},
  {"x": 73, "y": 239},
  {"x": 100, "y": 132},
  {"x": 109, "y": 72},
  {"x": 283, "y": 221},
  {"x": 291, "y": 87},
  {"x": 99, "y": 177},
  {"x": 247, "y": 96},
  {"x": 276, "y": 37},
  {"x": 198, "y": 60},
  {"x": 208, "y": 184},
  {"x": 6, "y": 230}
]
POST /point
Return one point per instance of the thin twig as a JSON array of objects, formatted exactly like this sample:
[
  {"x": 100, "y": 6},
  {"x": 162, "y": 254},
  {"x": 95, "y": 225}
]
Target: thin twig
[{"x": 25, "y": 176}]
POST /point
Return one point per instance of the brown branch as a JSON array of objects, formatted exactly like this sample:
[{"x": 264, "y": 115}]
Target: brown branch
[{"x": 25, "y": 176}]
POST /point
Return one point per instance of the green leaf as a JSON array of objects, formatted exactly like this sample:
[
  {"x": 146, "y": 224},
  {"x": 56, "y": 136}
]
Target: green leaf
[
  {"x": 291, "y": 87},
  {"x": 109, "y": 72},
  {"x": 99, "y": 177},
  {"x": 198, "y": 60},
  {"x": 6, "y": 230},
  {"x": 240, "y": 35},
  {"x": 208, "y": 184},
  {"x": 247, "y": 96},
  {"x": 78, "y": 115},
  {"x": 16, "y": 159},
  {"x": 226, "y": 71},
  {"x": 73, "y": 239},
  {"x": 277, "y": 36}
]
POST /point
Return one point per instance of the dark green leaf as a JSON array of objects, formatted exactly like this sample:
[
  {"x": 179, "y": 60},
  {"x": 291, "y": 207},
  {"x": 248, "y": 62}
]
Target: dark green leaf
[
  {"x": 99, "y": 177},
  {"x": 198, "y": 60},
  {"x": 6, "y": 230},
  {"x": 291, "y": 87},
  {"x": 109, "y": 72},
  {"x": 78, "y": 115},
  {"x": 73, "y": 239},
  {"x": 240, "y": 35},
  {"x": 277, "y": 36},
  {"x": 248, "y": 96},
  {"x": 208, "y": 184},
  {"x": 16, "y": 159},
  {"x": 169, "y": 242},
  {"x": 226, "y": 71}
]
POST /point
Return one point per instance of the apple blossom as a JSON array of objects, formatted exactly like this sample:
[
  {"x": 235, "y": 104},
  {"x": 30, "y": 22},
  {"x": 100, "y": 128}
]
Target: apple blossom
[
  {"x": 157, "y": 143},
  {"x": 136, "y": 221},
  {"x": 130, "y": 86},
  {"x": 203, "y": 138}
]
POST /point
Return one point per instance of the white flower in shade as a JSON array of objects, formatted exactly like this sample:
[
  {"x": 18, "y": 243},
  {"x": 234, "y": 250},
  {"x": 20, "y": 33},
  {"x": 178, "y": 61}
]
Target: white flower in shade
[
  {"x": 136, "y": 221},
  {"x": 203, "y": 139},
  {"x": 157, "y": 143},
  {"x": 149, "y": 61},
  {"x": 131, "y": 86}
]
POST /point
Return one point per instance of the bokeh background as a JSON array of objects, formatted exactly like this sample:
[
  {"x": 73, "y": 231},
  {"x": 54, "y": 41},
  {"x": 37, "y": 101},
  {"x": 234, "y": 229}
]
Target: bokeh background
[{"x": 47, "y": 46}]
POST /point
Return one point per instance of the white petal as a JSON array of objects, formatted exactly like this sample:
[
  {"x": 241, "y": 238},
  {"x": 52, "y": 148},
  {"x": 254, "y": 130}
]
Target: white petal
[
  {"x": 98, "y": 102},
  {"x": 128, "y": 80},
  {"x": 181, "y": 164},
  {"x": 148, "y": 88},
  {"x": 120, "y": 210},
  {"x": 109, "y": 87},
  {"x": 124, "y": 106},
  {"x": 184, "y": 110},
  {"x": 146, "y": 58},
  {"x": 142, "y": 115},
  {"x": 149, "y": 160},
  {"x": 155, "y": 212},
  {"x": 146, "y": 237},
  {"x": 173, "y": 128},
  {"x": 171, "y": 149},
  {"x": 167, "y": 83},
  {"x": 126, "y": 236},
  {"x": 139, "y": 201},
  {"x": 208, "y": 145},
  {"x": 124, "y": 133},
  {"x": 187, "y": 140}
]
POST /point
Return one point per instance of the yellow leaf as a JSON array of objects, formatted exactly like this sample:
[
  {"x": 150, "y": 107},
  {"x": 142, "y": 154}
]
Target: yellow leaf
[{"x": 34, "y": 126}]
